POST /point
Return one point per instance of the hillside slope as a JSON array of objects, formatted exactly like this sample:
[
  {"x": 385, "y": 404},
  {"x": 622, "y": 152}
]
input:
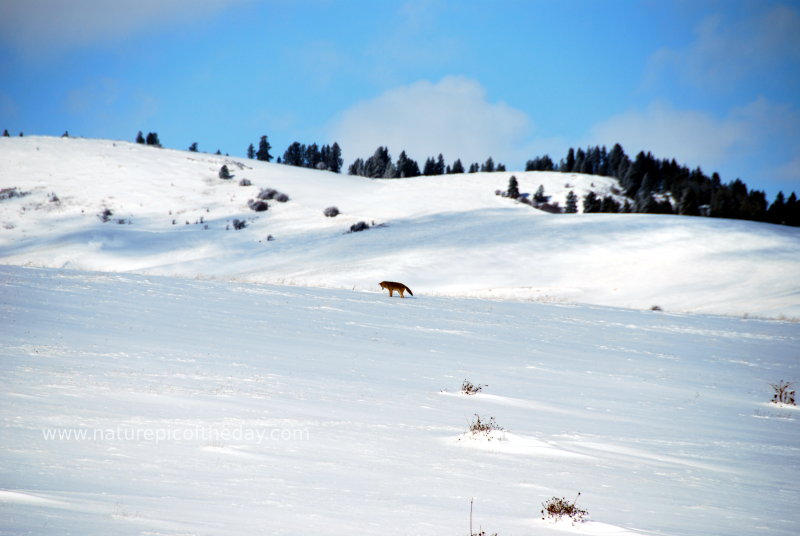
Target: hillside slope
[
  {"x": 142, "y": 405},
  {"x": 448, "y": 235}
]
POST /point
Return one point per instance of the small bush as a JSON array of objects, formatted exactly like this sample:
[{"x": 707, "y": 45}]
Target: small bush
[
  {"x": 9, "y": 193},
  {"x": 358, "y": 227},
  {"x": 257, "y": 205},
  {"x": 224, "y": 173},
  {"x": 245, "y": 182},
  {"x": 331, "y": 212},
  {"x": 469, "y": 389},
  {"x": 238, "y": 224},
  {"x": 479, "y": 427},
  {"x": 267, "y": 193},
  {"x": 783, "y": 393},
  {"x": 556, "y": 508},
  {"x": 105, "y": 216},
  {"x": 281, "y": 198}
]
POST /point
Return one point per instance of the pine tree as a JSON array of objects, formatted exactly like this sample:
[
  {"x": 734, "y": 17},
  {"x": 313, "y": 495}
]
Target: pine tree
[
  {"x": 334, "y": 158},
  {"x": 458, "y": 167},
  {"x": 263, "y": 150},
  {"x": 572, "y": 203},
  {"x": 569, "y": 165},
  {"x": 193, "y": 147},
  {"x": 251, "y": 151},
  {"x": 688, "y": 205},
  {"x": 140, "y": 138},
  {"x": 376, "y": 165},
  {"x": 430, "y": 167},
  {"x": 440, "y": 166},
  {"x": 513, "y": 188},
  {"x": 591, "y": 203},
  {"x": 152, "y": 139},
  {"x": 294, "y": 154},
  {"x": 488, "y": 166},
  {"x": 539, "y": 196}
]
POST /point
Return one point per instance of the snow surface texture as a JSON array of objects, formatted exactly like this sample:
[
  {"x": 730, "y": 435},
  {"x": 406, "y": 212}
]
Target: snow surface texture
[
  {"x": 442, "y": 236},
  {"x": 234, "y": 408}
]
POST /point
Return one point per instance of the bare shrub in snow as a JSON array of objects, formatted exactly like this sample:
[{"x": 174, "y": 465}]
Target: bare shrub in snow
[
  {"x": 238, "y": 224},
  {"x": 331, "y": 212},
  {"x": 271, "y": 193},
  {"x": 783, "y": 393},
  {"x": 557, "y": 508},
  {"x": 224, "y": 173},
  {"x": 8, "y": 193},
  {"x": 245, "y": 182},
  {"x": 468, "y": 388},
  {"x": 105, "y": 216},
  {"x": 257, "y": 205},
  {"x": 358, "y": 227},
  {"x": 267, "y": 193},
  {"x": 485, "y": 428}
]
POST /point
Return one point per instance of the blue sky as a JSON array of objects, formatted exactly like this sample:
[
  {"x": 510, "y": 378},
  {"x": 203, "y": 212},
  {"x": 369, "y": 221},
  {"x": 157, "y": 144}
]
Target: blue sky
[{"x": 714, "y": 84}]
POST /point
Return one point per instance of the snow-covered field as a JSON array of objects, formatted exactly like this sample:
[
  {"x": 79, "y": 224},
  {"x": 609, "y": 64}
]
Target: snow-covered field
[
  {"x": 445, "y": 236},
  {"x": 173, "y": 379},
  {"x": 235, "y": 408}
]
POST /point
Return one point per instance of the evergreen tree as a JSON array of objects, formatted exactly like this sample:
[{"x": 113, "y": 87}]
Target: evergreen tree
[
  {"x": 572, "y": 203},
  {"x": 263, "y": 150},
  {"x": 377, "y": 164},
  {"x": 474, "y": 168},
  {"x": 615, "y": 160},
  {"x": 591, "y": 203},
  {"x": 513, "y": 188},
  {"x": 356, "y": 168},
  {"x": 251, "y": 151},
  {"x": 544, "y": 163},
  {"x": 488, "y": 166},
  {"x": 776, "y": 211},
  {"x": 539, "y": 196},
  {"x": 6, "y": 134},
  {"x": 500, "y": 167},
  {"x": 152, "y": 139},
  {"x": 569, "y": 165},
  {"x": 312, "y": 157},
  {"x": 193, "y": 147},
  {"x": 440, "y": 166},
  {"x": 688, "y": 204},
  {"x": 140, "y": 138},
  {"x": 430, "y": 167},
  {"x": 294, "y": 154},
  {"x": 458, "y": 167},
  {"x": 406, "y": 167},
  {"x": 334, "y": 158}
]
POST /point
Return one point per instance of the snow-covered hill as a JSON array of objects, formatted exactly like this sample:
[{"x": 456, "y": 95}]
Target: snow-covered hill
[
  {"x": 218, "y": 403},
  {"x": 149, "y": 405},
  {"x": 443, "y": 236}
]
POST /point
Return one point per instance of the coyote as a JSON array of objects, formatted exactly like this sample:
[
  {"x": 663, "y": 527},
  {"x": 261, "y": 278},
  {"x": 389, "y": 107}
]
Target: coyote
[{"x": 391, "y": 286}]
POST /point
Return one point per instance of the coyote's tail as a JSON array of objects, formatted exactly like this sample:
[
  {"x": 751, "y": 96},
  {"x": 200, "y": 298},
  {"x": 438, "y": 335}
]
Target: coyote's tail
[{"x": 409, "y": 291}]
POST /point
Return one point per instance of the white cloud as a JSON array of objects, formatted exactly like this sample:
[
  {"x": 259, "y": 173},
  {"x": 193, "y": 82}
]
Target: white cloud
[
  {"x": 689, "y": 136},
  {"x": 452, "y": 117},
  {"x": 757, "y": 141},
  {"x": 727, "y": 51},
  {"x": 40, "y": 26}
]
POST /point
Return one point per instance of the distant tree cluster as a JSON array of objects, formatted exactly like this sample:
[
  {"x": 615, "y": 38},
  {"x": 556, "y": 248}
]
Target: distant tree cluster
[
  {"x": 151, "y": 139},
  {"x": 380, "y": 166},
  {"x": 662, "y": 186},
  {"x": 328, "y": 157}
]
